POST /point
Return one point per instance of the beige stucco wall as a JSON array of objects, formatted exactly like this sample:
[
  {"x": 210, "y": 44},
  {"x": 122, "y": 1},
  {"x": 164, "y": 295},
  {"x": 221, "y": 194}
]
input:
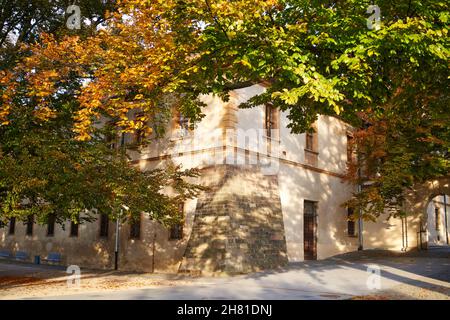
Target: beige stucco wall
[
  {"x": 209, "y": 146},
  {"x": 438, "y": 237}
]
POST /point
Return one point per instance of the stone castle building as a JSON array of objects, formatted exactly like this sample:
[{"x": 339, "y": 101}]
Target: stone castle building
[{"x": 274, "y": 197}]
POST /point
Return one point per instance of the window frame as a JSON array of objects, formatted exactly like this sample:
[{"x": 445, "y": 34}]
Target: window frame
[
  {"x": 103, "y": 225},
  {"x": 176, "y": 231},
  {"x": 351, "y": 224},
  {"x": 437, "y": 218},
  {"x": 12, "y": 226},
  {"x": 350, "y": 151},
  {"x": 133, "y": 228},
  {"x": 271, "y": 121},
  {"x": 29, "y": 226},
  {"x": 74, "y": 226},
  {"x": 51, "y": 221}
]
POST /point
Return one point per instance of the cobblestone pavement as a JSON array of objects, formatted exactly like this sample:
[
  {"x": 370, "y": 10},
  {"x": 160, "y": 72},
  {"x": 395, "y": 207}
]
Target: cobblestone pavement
[{"x": 414, "y": 275}]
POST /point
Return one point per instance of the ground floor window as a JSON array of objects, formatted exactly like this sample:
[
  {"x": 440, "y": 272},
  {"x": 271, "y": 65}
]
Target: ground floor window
[
  {"x": 176, "y": 232},
  {"x": 51, "y": 225},
  {"x": 135, "y": 228},
  {"x": 74, "y": 228},
  {"x": 104, "y": 225},
  {"x": 12, "y": 225},
  {"x": 310, "y": 230},
  {"x": 437, "y": 219},
  {"x": 351, "y": 230},
  {"x": 29, "y": 224}
]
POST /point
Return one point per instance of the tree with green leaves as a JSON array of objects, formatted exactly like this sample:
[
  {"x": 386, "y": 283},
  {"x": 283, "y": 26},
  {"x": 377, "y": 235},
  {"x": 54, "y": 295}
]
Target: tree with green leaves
[
  {"x": 44, "y": 170},
  {"x": 314, "y": 58}
]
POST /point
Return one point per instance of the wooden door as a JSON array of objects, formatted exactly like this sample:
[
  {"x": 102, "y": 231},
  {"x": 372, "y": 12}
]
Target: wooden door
[{"x": 310, "y": 230}]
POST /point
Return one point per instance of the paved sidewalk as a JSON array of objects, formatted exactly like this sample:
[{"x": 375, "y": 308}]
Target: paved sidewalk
[{"x": 424, "y": 275}]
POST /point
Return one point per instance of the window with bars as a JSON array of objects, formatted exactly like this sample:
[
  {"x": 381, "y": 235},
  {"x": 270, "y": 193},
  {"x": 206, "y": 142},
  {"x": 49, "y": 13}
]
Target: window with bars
[
  {"x": 104, "y": 225},
  {"x": 351, "y": 225},
  {"x": 12, "y": 226},
  {"x": 29, "y": 225},
  {"x": 51, "y": 225},
  {"x": 135, "y": 228},
  {"x": 437, "y": 219}
]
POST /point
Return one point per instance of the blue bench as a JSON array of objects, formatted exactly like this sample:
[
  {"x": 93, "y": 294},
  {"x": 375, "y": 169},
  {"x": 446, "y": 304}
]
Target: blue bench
[
  {"x": 53, "y": 257},
  {"x": 21, "y": 255},
  {"x": 5, "y": 254}
]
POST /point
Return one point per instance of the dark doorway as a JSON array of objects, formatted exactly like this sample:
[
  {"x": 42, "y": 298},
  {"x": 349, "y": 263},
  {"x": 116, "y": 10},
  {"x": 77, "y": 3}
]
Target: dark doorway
[{"x": 310, "y": 230}]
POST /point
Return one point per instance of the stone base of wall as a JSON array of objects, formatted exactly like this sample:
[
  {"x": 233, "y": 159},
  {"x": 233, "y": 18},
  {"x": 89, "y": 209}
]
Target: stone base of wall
[{"x": 238, "y": 224}]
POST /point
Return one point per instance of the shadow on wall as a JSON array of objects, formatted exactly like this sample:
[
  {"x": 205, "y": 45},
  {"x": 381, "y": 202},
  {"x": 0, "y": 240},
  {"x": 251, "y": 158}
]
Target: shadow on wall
[{"x": 238, "y": 224}]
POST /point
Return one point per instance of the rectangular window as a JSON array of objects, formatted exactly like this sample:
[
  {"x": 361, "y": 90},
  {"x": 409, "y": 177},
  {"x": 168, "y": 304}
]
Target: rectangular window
[
  {"x": 310, "y": 141},
  {"x": 135, "y": 228},
  {"x": 51, "y": 225},
  {"x": 113, "y": 138},
  {"x": 351, "y": 230},
  {"x": 74, "y": 228},
  {"x": 310, "y": 230},
  {"x": 437, "y": 219},
  {"x": 2, "y": 224},
  {"x": 111, "y": 135},
  {"x": 271, "y": 121},
  {"x": 104, "y": 225},
  {"x": 349, "y": 148},
  {"x": 12, "y": 225},
  {"x": 183, "y": 124},
  {"x": 176, "y": 231},
  {"x": 29, "y": 224},
  {"x": 139, "y": 133}
]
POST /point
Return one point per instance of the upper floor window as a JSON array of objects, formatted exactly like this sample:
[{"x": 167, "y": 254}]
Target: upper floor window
[
  {"x": 349, "y": 148},
  {"x": 180, "y": 124},
  {"x": 29, "y": 224},
  {"x": 311, "y": 146},
  {"x": 271, "y": 121},
  {"x": 139, "y": 133},
  {"x": 310, "y": 141},
  {"x": 113, "y": 138}
]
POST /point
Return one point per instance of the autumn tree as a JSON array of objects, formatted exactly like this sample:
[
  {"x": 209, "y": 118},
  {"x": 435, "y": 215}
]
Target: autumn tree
[
  {"x": 314, "y": 57},
  {"x": 44, "y": 169}
]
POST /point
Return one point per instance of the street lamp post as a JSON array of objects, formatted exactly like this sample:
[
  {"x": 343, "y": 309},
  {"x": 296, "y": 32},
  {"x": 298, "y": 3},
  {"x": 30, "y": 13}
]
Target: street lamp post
[
  {"x": 360, "y": 220},
  {"x": 116, "y": 247},
  {"x": 445, "y": 215}
]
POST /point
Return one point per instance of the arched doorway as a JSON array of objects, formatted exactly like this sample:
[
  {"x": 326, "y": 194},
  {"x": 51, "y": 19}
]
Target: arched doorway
[
  {"x": 420, "y": 207},
  {"x": 438, "y": 210}
]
